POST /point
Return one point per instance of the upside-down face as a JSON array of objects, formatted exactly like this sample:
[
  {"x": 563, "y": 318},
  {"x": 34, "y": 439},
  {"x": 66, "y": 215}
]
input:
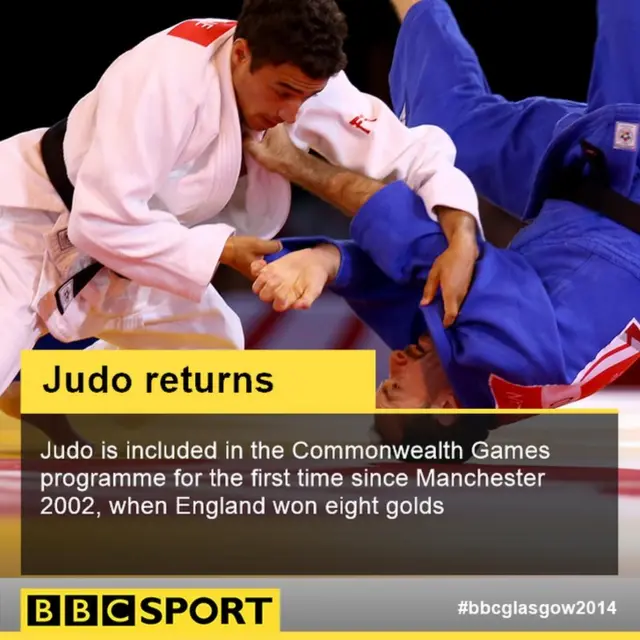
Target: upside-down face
[{"x": 416, "y": 381}]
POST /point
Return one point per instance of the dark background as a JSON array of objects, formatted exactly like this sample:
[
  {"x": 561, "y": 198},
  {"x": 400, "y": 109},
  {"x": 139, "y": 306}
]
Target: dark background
[{"x": 527, "y": 48}]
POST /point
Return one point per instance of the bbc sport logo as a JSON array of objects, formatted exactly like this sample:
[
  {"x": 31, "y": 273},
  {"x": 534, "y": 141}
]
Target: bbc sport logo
[{"x": 181, "y": 611}]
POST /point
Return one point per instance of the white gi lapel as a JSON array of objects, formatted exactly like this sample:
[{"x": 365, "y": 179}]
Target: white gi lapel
[
  {"x": 228, "y": 142},
  {"x": 261, "y": 203},
  {"x": 258, "y": 204},
  {"x": 268, "y": 200}
]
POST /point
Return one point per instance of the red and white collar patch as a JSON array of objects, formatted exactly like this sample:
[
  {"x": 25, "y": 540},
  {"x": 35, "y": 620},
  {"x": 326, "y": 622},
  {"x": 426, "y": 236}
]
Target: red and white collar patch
[{"x": 202, "y": 32}]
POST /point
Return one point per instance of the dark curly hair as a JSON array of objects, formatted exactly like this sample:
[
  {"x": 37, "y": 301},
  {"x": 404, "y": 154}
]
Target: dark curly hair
[{"x": 308, "y": 34}]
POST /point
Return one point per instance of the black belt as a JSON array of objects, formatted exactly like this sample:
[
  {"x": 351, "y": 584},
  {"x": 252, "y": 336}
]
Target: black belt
[
  {"x": 51, "y": 148},
  {"x": 592, "y": 189}
]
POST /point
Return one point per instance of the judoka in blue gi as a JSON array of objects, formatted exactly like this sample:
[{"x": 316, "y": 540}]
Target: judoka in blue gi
[{"x": 540, "y": 311}]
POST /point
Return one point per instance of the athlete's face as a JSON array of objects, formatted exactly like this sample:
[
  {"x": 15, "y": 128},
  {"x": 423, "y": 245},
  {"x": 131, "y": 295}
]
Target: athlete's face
[
  {"x": 269, "y": 95},
  {"x": 416, "y": 381}
]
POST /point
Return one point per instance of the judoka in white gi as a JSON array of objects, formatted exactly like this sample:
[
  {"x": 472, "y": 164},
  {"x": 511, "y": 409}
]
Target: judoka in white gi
[{"x": 151, "y": 165}]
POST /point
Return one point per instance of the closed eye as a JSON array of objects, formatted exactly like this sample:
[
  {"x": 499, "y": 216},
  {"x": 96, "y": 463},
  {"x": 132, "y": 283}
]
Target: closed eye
[{"x": 284, "y": 95}]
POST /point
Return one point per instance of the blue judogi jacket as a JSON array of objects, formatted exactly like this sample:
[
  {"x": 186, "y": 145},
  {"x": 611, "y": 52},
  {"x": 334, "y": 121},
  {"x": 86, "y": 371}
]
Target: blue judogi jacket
[{"x": 537, "y": 312}]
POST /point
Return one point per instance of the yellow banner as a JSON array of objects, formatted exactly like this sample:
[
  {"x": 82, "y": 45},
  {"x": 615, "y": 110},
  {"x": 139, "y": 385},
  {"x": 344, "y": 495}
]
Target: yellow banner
[
  {"x": 205, "y": 382},
  {"x": 182, "y": 612}
]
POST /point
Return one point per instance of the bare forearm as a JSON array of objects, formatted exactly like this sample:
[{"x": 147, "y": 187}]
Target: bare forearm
[
  {"x": 456, "y": 223},
  {"x": 346, "y": 190},
  {"x": 349, "y": 192}
]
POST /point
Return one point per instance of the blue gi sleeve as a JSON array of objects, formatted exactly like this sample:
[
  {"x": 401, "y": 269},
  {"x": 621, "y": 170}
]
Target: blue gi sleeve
[
  {"x": 507, "y": 324},
  {"x": 615, "y": 75},
  {"x": 394, "y": 231},
  {"x": 389, "y": 309},
  {"x": 436, "y": 78},
  {"x": 358, "y": 278}
]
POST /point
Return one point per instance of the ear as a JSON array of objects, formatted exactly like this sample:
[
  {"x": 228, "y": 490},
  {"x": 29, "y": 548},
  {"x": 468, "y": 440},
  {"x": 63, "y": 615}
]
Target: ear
[{"x": 240, "y": 53}]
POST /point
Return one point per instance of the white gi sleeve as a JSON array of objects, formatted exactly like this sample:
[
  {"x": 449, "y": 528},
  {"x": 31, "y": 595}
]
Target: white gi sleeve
[
  {"x": 358, "y": 131},
  {"x": 146, "y": 110}
]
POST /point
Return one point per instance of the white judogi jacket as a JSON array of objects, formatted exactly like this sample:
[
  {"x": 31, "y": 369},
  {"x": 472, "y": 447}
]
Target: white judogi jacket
[{"x": 155, "y": 155}]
